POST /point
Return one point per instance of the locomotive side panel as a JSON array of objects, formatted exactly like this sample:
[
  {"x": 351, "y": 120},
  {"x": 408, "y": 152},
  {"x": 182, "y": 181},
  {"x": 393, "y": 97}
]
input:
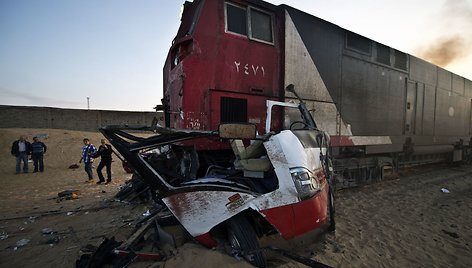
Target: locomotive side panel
[
  {"x": 428, "y": 110},
  {"x": 377, "y": 91},
  {"x": 372, "y": 98},
  {"x": 468, "y": 88},
  {"x": 446, "y": 108},
  {"x": 451, "y": 115},
  {"x": 300, "y": 69},
  {"x": 452, "y": 112},
  {"x": 322, "y": 43},
  {"x": 368, "y": 99},
  {"x": 423, "y": 71},
  {"x": 381, "y": 106}
]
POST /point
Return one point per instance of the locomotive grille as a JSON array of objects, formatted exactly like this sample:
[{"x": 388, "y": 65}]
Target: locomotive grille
[
  {"x": 400, "y": 60},
  {"x": 233, "y": 110},
  {"x": 383, "y": 54},
  {"x": 357, "y": 42}
]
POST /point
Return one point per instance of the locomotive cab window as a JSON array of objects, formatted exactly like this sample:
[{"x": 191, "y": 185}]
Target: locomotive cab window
[
  {"x": 236, "y": 20},
  {"x": 261, "y": 25},
  {"x": 250, "y": 22}
]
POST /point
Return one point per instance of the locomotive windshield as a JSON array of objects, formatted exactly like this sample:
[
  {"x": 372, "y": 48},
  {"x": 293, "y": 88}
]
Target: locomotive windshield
[{"x": 251, "y": 22}]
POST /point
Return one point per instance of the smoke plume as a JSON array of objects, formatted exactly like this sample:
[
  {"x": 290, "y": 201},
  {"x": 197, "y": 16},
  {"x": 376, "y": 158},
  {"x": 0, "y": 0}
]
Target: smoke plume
[
  {"x": 455, "y": 20},
  {"x": 445, "y": 50}
]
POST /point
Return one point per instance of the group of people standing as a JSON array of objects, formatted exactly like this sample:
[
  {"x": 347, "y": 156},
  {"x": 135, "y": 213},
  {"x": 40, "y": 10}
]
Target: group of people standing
[
  {"x": 21, "y": 149},
  {"x": 89, "y": 152}
]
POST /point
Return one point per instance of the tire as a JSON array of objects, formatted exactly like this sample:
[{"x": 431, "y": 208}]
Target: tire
[{"x": 243, "y": 241}]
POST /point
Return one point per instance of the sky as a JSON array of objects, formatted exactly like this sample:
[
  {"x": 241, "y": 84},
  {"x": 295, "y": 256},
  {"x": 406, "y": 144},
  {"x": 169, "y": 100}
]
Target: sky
[{"x": 56, "y": 53}]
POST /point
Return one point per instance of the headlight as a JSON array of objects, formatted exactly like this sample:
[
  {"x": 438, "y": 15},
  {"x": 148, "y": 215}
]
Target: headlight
[{"x": 306, "y": 184}]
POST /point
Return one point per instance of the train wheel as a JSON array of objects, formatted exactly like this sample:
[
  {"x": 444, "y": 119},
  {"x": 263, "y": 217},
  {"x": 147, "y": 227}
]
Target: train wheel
[{"x": 243, "y": 241}]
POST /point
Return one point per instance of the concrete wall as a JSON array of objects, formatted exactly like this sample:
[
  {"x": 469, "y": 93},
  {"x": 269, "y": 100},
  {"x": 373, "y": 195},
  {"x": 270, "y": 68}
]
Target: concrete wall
[{"x": 72, "y": 119}]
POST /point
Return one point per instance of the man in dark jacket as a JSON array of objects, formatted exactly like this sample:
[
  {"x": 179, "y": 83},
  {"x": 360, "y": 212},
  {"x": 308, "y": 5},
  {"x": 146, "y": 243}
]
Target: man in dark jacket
[
  {"x": 21, "y": 149},
  {"x": 38, "y": 149},
  {"x": 104, "y": 151}
]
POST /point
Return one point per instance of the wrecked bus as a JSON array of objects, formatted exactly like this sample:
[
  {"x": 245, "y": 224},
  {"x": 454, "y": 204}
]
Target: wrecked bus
[{"x": 277, "y": 183}]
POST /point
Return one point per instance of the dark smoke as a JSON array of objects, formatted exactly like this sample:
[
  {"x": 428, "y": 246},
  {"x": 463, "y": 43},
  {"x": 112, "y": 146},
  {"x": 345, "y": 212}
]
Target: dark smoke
[
  {"x": 456, "y": 41},
  {"x": 445, "y": 50}
]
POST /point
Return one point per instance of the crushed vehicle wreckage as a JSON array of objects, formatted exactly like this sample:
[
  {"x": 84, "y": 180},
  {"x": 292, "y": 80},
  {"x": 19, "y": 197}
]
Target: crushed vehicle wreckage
[{"x": 277, "y": 183}]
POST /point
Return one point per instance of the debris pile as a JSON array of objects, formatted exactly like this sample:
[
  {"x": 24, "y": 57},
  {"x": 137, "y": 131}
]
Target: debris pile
[
  {"x": 148, "y": 242},
  {"x": 68, "y": 195},
  {"x": 136, "y": 190}
]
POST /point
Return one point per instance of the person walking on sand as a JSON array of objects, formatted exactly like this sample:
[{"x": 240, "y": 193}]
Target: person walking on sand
[
  {"x": 88, "y": 150},
  {"x": 104, "y": 151},
  {"x": 21, "y": 149},
  {"x": 38, "y": 149}
]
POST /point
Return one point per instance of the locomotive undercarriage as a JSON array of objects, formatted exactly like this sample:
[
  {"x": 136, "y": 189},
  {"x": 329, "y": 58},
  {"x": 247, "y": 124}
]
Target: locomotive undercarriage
[{"x": 352, "y": 167}]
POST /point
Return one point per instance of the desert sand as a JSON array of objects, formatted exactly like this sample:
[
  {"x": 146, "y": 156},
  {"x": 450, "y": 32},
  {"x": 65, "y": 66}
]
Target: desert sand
[{"x": 406, "y": 221}]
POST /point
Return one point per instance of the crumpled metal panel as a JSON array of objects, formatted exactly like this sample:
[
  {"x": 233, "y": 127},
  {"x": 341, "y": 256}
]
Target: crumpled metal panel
[{"x": 200, "y": 211}]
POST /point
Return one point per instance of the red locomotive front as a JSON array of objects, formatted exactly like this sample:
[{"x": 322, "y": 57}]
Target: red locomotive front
[{"x": 223, "y": 65}]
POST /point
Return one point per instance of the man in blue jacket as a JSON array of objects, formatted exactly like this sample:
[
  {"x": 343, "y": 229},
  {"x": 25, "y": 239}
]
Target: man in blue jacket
[
  {"x": 87, "y": 156},
  {"x": 21, "y": 149},
  {"x": 38, "y": 149}
]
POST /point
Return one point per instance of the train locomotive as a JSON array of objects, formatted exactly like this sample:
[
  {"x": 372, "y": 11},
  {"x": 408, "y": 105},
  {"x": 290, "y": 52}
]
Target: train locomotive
[{"x": 381, "y": 107}]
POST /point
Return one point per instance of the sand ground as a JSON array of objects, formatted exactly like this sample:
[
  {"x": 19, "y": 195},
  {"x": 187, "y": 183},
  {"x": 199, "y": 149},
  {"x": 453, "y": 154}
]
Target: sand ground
[{"x": 403, "y": 222}]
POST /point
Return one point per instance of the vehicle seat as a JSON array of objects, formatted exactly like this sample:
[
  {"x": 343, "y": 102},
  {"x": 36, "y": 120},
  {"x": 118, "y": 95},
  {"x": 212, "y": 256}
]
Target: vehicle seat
[{"x": 252, "y": 158}]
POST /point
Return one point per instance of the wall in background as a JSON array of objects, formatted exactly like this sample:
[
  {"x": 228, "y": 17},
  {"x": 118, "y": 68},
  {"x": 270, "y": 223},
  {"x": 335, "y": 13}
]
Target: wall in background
[{"x": 72, "y": 119}]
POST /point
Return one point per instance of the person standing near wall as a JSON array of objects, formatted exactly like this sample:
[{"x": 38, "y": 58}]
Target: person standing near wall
[
  {"x": 38, "y": 149},
  {"x": 88, "y": 150},
  {"x": 21, "y": 149},
  {"x": 104, "y": 151}
]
